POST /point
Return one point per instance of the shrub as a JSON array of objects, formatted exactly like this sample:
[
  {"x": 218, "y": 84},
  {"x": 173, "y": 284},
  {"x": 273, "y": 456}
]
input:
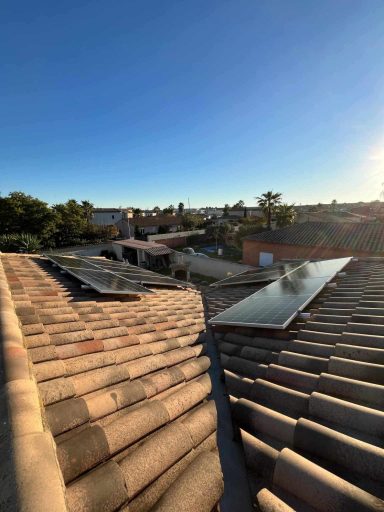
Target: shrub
[{"x": 23, "y": 242}]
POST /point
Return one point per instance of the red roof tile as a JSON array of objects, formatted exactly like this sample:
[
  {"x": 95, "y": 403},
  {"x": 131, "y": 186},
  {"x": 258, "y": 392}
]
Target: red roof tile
[{"x": 116, "y": 378}]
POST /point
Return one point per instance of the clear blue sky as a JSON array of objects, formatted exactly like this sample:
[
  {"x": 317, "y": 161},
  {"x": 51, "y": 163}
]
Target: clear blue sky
[{"x": 144, "y": 103}]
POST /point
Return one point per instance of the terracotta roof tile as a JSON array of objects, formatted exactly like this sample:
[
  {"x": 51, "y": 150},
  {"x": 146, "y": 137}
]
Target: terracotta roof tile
[
  {"x": 309, "y": 400},
  {"x": 356, "y": 237},
  {"x": 116, "y": 377}
]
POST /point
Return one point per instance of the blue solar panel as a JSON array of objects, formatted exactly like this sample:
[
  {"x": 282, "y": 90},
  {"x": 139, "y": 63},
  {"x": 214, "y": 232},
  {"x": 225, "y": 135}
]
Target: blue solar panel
[
  {"x": 276, "y": 305},
  {"x": 266, "y": 274},
  {"x": 99, "y": 279}
]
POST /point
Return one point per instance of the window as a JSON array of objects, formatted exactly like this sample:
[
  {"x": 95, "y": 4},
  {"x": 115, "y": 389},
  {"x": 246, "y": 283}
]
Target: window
[
  {"x": 265, "y": 258},
  {"x": 113, "y": 216}
]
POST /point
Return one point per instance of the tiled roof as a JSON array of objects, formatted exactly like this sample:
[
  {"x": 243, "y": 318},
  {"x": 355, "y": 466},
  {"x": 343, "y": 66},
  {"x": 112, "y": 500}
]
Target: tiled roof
[
  {"x": 158, "y": 220},
  {"x": 152, "y": 248},
  {"x": 101, "y": 210},
  {"x": 221, "y": 298},
  {"x": 357, "y": 237},
  {"x": 309, "y": 403},
  {"x": 107, "y": 399}
]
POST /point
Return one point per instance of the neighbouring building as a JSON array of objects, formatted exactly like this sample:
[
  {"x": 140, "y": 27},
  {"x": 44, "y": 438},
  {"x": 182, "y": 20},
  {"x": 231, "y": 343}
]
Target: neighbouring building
[
  {"x": 327, "y": 216},
  {"x": 110, "y": 216},
  {"x": 176, "y": 239},
  {"x": 247, "y": 212},
  {"x": 150, "y": 225},
  {"x": 314, "y": 240},
  {"x": 144, "y": 254}
]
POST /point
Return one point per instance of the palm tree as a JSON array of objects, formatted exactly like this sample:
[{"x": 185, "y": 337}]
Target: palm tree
[
  {"x": 285, "y": 215},
  {"x": 268, "y": 202},
  {"x": 88, "y": 210}
]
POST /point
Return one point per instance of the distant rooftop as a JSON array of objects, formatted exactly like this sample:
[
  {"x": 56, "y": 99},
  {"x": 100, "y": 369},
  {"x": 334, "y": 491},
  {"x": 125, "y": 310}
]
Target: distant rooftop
[
  {"x": 152, "y": 248},
  {"x": 158, "y": 220},
  {"x": 358, "y": 237}
]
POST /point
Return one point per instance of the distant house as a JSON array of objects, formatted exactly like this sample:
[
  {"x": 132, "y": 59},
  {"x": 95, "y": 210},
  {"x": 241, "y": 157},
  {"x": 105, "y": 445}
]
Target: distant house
[
  {"x": 254, "y": 211},
  {"x": 150, "y": 225},
  {"x": 110, "y": 216},
  {"x": 314, "y": 240},
  {"x": 327, "y": 216},
  {"x": 141, "y": 253}
]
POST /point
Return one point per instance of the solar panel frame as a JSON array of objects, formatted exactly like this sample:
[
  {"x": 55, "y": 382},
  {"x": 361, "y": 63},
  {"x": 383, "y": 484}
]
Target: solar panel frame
[
  {"x": 142, "y": 275},
  {"x": 259, "y": 276},
  {"x": 273, "y": 294},
  {"x": 130, "y": 273},
  {"x": 94, "y": 278},
  {"x": 71, "y": 262}
]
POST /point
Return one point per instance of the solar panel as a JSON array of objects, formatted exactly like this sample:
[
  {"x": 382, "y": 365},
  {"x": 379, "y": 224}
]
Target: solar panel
[
  {"x": 100, "y": 279},
  {"x": 271, "y": 273},
  {"x": 105, "y": 282},
  {"x": 112, "y": 276},
  {"x": 136, "y": 274},
  {"x": 277, "y": 304},
  {"x": 71, "y": 262}
]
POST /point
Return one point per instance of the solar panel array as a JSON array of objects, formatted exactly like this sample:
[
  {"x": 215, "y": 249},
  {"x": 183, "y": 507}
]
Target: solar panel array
[
  {"x": 271, "y": 273},
  {"x": 112, "y": 277},
  {"x": 135, "y": 274},
  {"x": 276, "y": 305}
]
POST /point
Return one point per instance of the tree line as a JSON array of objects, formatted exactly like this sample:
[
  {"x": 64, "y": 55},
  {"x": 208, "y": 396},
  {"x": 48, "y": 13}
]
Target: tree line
[{"x": 29, "y": 223}]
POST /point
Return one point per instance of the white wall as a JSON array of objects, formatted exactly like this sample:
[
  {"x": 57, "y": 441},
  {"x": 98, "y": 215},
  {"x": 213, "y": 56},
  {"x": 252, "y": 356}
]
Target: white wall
[
  {"x": 118, "y": 250},
  {"x": 85, "y": 250},
  {"x": 179, "y": 234},
  {"x": 212, "y": 267},
  {"x": 106, "y": 218}
]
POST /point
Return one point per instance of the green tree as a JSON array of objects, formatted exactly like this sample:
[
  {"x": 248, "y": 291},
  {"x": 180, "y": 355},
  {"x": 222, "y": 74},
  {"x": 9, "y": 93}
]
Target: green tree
[
  {"x": 191, "y": 222},
  {"x": 268, "y": 202},
  {"x": 180, "y": 208},
  {"x": 137, "y": 212},
  {"x": 285, "y": 215},
  {"x": 19, "y": 242},
  {"x": 163, "y": 230},
  {"x": 333, "y": 205},
  {"x": 226, "y": 210},
  {"x": 239, "y": 205},
  {"x": 219, "y": 232},
  {"x": 22, "y": 213},
  {"x": 157, "y": 210},
  {"x": 245, "y": 230},
  {"x": 87, "y": 210},
  {"x": 71, "y": 223},
  {"x": 169, "y": 210}
]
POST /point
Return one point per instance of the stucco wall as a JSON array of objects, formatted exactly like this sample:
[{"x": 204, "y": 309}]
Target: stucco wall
[
  {"x": 106, "y": 218},
  {"x": 252, "y": 249},
  {"x": 211, "y": 266},
  {"x": 86, "y": 250},
  {"x": 175, "y": 239}
]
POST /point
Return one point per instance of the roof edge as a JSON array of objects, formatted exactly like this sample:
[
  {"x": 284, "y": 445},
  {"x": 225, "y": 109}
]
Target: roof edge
[{"x": 32, "y": 480}]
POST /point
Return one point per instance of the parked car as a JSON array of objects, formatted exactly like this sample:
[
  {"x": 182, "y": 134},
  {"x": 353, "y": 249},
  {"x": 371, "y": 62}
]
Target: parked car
[{"x": 188, "y": 250}]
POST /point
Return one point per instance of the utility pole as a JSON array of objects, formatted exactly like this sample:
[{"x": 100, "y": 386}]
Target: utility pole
[{"x": 189, "y": 206}]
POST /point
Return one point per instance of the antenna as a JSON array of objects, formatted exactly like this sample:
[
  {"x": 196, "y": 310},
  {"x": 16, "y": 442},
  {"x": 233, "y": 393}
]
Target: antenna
[{"x": 381, "y": 197}]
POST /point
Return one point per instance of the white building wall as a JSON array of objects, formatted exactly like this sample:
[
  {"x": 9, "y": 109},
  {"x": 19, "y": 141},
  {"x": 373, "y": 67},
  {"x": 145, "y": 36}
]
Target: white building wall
[
  {"x": 212, "y": 267},
  {"x": 106, "y": 218}
]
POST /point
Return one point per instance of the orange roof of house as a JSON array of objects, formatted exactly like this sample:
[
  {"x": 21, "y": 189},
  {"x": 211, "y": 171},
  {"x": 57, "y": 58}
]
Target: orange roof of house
[
  {"x": 309, "y": 400},
  {"x": 353, "y": 236},
  {"x": 107, "y": 399}
]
